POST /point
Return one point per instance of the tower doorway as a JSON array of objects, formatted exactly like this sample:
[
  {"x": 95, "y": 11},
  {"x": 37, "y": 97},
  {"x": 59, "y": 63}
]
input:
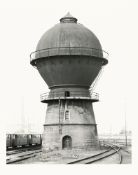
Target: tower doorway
[{"x": 66, "y": 142}]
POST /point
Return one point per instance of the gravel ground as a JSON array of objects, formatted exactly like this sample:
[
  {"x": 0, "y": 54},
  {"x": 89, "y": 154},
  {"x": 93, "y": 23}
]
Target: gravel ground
[
  {"x": 114, "y": 159},
  {"x": 63, "y": 157},
  {"x": 127, "y": 157},
  {"x": 60, "y": 157}
]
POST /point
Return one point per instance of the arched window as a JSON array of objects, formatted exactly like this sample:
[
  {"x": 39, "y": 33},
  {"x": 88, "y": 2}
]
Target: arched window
[{"x": 67, "y": 115}]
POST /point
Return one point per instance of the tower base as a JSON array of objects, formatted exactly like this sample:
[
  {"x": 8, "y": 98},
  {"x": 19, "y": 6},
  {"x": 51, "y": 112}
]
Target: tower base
[{"x": 70, "y": 124}]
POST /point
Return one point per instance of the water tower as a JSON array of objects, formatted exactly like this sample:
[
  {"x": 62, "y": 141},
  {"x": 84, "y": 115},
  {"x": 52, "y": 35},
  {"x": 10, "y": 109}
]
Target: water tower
[{"x": 69, "y": 57}]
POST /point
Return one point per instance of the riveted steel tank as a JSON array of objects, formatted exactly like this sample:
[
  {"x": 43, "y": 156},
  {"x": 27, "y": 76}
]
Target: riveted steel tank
[{"x": 68, "y": 54}]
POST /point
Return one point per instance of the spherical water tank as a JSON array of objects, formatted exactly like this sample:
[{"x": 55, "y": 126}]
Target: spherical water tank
[{"x": 68, "y": 54}]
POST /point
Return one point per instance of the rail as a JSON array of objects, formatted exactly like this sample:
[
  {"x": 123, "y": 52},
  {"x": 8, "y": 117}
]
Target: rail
[
  {"x": 21, "y": 156},
  {"x": 112, "y": 149},
  {"x": 68, "y": 51}
]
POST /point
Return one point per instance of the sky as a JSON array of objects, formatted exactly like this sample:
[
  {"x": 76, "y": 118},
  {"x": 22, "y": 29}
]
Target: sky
[{"x": 22, "y": 25}]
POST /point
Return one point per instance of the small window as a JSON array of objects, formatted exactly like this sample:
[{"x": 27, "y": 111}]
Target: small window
[
  {"x": 67, "y": 94},
  {"x": 67, "y": 115}
]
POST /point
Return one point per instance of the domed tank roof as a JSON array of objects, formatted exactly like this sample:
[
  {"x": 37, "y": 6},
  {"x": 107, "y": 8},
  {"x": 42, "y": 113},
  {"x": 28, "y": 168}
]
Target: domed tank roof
[
  {"x": 68, "y": 33},
  {"x": 68, "y": 38}
]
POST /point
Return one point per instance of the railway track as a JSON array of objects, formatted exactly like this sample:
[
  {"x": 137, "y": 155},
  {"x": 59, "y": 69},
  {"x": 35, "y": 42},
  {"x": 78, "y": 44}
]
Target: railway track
[
  {"x": 20, "y": 150},
  {"x": 113, "y": 149},
  {"x": 21, "y": 155}
]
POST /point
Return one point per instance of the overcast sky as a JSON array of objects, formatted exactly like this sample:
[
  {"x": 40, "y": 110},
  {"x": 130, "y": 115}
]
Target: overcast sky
[{"x": 22, "y": 25}]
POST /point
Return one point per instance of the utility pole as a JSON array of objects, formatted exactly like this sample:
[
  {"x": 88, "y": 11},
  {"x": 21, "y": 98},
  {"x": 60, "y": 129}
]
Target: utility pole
[
  {"x": 22, "y": 116},
  {"x": 125, "y": 122}
]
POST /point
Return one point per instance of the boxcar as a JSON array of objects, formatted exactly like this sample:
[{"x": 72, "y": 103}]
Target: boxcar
[
  {"x": 22, "y": 140},
  {"x": 36, "y": 139},
  {"x": 8, "y": 141}
]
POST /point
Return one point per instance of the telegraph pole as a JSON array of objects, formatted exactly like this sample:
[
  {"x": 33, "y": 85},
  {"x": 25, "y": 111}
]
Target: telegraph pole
[
  {"x": 22, "y": 116},
  {"x": 125, "y": 123}
]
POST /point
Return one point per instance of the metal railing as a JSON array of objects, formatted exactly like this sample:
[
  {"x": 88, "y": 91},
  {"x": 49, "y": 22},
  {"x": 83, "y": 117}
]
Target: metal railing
[
  {"x": 68, "y": 51},
  {"x": 73, "y": 95}
]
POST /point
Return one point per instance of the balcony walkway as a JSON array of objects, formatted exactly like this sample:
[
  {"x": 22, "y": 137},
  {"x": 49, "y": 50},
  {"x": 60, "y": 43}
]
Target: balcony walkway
[{"x": 46, "y": 97}]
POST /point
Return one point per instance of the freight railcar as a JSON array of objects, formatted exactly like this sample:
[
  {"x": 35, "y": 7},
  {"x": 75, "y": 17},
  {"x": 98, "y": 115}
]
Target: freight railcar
[
  {"x": 36, "y": 139},
  {"x": 22, "y": 140},
  {"x": 8, "y": 140}
]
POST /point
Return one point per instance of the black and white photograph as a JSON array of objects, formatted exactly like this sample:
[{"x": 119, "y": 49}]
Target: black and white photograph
[{"x": 69, "y": 86}]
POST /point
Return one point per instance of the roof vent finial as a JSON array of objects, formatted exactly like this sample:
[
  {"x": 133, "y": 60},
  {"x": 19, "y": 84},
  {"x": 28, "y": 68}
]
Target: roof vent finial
[{"x": 68, "y": 18}]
